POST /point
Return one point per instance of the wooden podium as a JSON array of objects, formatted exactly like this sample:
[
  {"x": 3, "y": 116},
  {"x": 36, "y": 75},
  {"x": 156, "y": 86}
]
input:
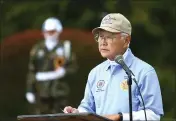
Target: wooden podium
[{"x": 63, "y": 117}]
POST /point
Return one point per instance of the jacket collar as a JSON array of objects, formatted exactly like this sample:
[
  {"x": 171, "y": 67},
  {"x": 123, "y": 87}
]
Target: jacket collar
[{"x": 128, "y": 58}]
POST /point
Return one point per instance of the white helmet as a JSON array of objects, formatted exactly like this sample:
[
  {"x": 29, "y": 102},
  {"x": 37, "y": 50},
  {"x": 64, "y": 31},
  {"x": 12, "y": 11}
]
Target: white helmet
[{"x": 52, "y": 24}]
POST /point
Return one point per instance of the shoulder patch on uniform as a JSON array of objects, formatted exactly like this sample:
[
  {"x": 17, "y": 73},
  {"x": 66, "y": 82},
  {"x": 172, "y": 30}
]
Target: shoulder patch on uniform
[{"x": 32, "y": 52}]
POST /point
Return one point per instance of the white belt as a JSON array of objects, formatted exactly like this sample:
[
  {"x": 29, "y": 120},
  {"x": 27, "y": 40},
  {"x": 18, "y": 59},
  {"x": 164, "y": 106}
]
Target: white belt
[{"x": 51, "y": 75}]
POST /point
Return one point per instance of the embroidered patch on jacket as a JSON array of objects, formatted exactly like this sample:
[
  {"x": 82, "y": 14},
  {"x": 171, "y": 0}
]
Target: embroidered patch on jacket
[
  {"x": 124, "y": 85},
  {"x": 100, "y": 85}
]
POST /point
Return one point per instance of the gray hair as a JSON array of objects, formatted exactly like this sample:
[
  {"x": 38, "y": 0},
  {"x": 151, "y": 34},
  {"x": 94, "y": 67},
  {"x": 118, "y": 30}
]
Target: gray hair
[{"x": 124, "y": 35}]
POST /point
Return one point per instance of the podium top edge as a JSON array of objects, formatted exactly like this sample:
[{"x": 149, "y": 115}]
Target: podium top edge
[{"x": 62, "y": 115}]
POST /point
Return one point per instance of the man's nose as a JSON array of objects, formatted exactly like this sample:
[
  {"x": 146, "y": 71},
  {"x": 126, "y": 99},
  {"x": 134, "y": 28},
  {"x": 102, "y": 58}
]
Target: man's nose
[{"x": 103, "y": 42}]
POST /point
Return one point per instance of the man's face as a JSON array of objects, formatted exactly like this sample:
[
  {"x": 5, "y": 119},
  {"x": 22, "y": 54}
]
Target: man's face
[
  {"x": 112, "y": 44},
  {"x": 51, "y": 35}
]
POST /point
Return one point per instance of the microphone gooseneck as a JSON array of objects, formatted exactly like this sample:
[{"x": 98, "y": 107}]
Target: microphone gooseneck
[{"x": 119, "y": 59}]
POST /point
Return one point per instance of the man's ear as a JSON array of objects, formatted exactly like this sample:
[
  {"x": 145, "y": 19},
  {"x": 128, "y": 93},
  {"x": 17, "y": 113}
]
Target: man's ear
[{"x": 127, "y": 41}]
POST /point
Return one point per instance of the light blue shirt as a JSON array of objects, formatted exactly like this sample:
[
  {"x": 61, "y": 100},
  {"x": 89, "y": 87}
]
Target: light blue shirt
[{"x": 106, "y": 90}]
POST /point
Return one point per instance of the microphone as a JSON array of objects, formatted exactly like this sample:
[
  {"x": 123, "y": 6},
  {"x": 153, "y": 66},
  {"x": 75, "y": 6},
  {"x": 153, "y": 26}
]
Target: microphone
[{"x": 119, "y": 59}]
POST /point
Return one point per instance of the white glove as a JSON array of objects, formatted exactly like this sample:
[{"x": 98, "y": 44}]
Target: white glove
[{"x": 30, "y": 97}]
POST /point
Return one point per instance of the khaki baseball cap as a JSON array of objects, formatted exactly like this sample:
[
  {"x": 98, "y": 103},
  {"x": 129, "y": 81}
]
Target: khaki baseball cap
[{"x": 114, "y": 22}]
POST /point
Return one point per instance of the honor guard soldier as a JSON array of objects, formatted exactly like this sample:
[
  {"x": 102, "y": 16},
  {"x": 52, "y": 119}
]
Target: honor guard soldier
[{"x": 51, "y": 61}]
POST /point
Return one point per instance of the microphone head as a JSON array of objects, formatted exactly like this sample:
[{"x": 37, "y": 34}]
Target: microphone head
[{"x": 119, "y": 59}]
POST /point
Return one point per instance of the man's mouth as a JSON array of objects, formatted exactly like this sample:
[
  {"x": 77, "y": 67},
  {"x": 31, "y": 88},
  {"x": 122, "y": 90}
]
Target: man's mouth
[{"x": 105, "y": 49}]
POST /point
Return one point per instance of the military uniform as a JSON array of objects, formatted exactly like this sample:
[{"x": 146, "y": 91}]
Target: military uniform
[{"x": 51, "y": 94}]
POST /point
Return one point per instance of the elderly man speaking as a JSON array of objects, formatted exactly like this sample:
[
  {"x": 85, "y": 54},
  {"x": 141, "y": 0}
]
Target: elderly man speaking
[{"x": 106, "y": 91}]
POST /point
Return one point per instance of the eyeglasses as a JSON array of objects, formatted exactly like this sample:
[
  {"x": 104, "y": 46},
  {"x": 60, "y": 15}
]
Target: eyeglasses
[{"x": 109, "y": 38}]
